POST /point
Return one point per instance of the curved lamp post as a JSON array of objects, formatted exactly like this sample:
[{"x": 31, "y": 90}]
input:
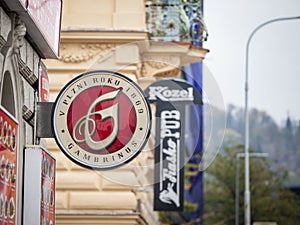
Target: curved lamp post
[
  {"x": 237, "y": 179},
  {"x": 247, "y": 176}
]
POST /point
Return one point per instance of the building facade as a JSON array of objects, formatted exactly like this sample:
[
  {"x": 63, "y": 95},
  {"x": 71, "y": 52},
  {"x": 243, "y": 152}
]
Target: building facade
[{"x": 111, "y": 35}]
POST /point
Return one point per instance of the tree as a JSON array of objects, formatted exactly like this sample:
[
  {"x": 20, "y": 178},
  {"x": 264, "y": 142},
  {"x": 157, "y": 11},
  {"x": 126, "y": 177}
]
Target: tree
[{"x": 270, "y": 200}]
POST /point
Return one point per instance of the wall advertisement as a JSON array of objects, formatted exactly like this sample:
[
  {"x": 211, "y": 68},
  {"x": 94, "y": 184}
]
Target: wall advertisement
[{"x": 8, "y": 165}]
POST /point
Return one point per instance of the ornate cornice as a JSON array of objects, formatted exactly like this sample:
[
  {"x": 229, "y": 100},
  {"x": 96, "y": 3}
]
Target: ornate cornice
[
  {"x": 167, "y": 74},
  {"x": 160, "y": 65},
  {"x": 159, "y": 69},
  {"x": 159, "y": 61},
  {"x": 77, "y": 53}
]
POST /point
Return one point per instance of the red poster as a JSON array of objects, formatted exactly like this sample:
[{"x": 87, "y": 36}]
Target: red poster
[
  {"x": 48, "y": 190},
  {"x": 8, "y": 167},
  {"x": 43, "y": 84}
]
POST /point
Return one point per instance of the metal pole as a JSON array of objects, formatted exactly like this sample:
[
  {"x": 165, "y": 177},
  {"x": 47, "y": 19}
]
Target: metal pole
[
  {"x": 237, "y": 190},
  {"x": 247, "y": 176},
  {"x": 237, "y": 180}
]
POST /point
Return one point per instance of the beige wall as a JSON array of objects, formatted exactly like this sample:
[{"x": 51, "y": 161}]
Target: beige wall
[
  {"x": 109, "y": 35},
  {"x": 92, "y": 30},
  {"x": 119, "y": 14}
]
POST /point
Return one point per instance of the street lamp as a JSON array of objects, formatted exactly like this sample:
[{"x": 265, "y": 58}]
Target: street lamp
[
  {"x": 237, "y": 181},
  {"x": 247, "y": 177}
]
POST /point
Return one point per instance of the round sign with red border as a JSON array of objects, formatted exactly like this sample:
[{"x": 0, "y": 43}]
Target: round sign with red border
[{"x": 101, "y": 120}]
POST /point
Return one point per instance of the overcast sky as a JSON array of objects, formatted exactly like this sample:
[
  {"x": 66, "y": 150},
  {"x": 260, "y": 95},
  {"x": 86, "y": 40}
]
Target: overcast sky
[{"x": 274, "y": 60}]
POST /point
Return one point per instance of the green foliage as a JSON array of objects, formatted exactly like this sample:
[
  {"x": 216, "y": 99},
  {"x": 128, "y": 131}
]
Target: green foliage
[
  {"x": 163, "y": 218},
  {"x": 270, "y": 200}
]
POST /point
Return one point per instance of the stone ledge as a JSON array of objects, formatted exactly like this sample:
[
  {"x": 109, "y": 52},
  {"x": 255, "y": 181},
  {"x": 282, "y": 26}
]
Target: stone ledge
[
  {"x": 99, "y": 218},
  {"x": 119, "y": 180},
  {"x": 77, "y": 35},
  {"x": 113, "y": 200},
  {"x": 85, "y": 180}
]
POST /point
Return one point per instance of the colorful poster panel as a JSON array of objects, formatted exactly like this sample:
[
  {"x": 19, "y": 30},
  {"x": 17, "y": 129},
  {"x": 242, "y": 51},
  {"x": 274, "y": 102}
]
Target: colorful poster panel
[{"x": 8, "y": 167}]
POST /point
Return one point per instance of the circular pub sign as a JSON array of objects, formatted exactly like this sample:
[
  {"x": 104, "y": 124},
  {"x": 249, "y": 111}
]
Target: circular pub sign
[{"x": 101, "y": 120}]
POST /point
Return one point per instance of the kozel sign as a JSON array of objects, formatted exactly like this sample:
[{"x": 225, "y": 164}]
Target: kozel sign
[
  {"x": 101, "y": 120},
  {"x": 171, "y": 97}
]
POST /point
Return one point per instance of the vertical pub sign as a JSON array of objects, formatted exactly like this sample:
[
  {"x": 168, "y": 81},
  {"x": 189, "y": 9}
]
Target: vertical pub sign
[{"x": 171, "y": 97}]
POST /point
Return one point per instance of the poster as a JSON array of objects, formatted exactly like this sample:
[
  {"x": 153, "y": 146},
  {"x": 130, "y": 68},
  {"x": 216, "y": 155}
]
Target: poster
[
  {"x": 43, "y": 91},
  {"x": 8, "y": 167},
  {"x": 48, "y": 189}
]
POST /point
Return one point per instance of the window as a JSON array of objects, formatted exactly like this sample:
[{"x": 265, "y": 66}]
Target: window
[{"x": 8, "y": 97}]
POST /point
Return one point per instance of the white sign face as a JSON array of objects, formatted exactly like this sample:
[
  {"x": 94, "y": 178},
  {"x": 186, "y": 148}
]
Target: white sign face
[
  {"x": 169, "y": 185},
  {"x": 39, "y": 186},
  {"x": 47, "y": 16},
  {"x": 24, "y": 2},
  {"x": 101, "y": 120}
]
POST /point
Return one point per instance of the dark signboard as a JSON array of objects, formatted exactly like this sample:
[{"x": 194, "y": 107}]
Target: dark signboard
[{"x": 170, "y": 96}]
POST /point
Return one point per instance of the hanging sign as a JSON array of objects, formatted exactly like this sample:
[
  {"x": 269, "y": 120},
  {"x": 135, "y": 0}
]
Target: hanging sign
[
  {"x": 43, "y": 90},
  {"x": 39, "y": 186},
  {"x": 8, "y": 167},
  {"x": 101, "y": 120},
  {"x": 170, "y": 96},
  {"x": 46, "y": 16}
]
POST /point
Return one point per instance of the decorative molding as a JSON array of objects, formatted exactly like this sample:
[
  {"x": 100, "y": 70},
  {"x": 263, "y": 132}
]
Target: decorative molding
[
  {"x": 77, "y": 53},
  {"x": 15, "y": 39},
  {"x": 28, "y": 115},
  {"x": 156, "y": 69},
  {"x": 157, "y": 61},
  {"x": 170, "y": 73},
  {"x": 156, "y": 65},
  {"x": 18, "y": 36},
  {"x": 2, "y": 42},
  {"x": 27, "y": 73},
  {"x": 12, "y": 53}
]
